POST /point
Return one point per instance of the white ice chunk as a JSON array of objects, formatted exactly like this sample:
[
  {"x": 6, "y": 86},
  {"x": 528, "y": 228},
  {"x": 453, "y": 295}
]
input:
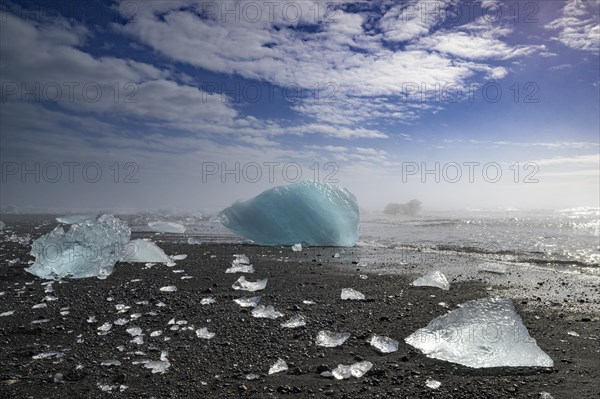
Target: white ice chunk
[
  {"x": 315, "y": 213},
  {"x": 350, "y": 293},
  {"x": 207, "y": 301},
  {"x": 7, "y": 313},
  {"x": 433, "y": 384},
  {"x": 179, "y": 257},
  {"x": 145, "y": 252},
  {"x": 193, "y": 241},
  {"x": 266, "y": 312},
  {"x": 481, "y": 333},
  {"x": 294, "y": 322},
  {"x": 244, "y": 285},
  {"x": 384, "y": 344},
  {"x": 168, "y": 288},
  {"x": 297, "y": 247},
  {"x": 435, "y": 279},
  {"x": 331, "y": 339},
  {"x": 240, "y": 268},
  {"x": 204, "y": 333},
  {"x": 240, "y": 258},
  {"x": 248, "y": 302},
  {"x": 167, "y": 227},
  {"x": 110, "y": 363},
  {"x": 74, "y": 219},
  {"x": 356, "y": 370},
  {"x": 104, "y": 328},
  {"x": 47, "y": 354},
  {"x": 134, "y": 331},
  {"x": 279, "y": 366},
  {"x": 492, "y": 267},
  {"x": 88, "y": 249},
  {"x": 159, "y": 366}
]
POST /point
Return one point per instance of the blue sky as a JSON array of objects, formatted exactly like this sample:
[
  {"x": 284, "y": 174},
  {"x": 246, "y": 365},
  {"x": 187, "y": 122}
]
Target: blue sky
[{"x": 367, "y": 88}]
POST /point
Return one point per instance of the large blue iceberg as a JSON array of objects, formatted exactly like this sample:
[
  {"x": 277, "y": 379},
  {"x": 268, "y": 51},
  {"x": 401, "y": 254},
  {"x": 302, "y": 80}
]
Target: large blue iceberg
[
  {"x": 88, "y": 249},
  {"x": 311, "y": 213}
]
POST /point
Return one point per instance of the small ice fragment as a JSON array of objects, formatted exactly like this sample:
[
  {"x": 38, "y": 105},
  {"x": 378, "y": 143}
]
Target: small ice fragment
[
  {"x": 179, "y": 257},
  {"x": 74, "y": 219},
  {"x": 46, "y": 355},
  {"x": 193, "y": 241},
  {"x": 135, "y": 316},
  {"x": 545, "y": 395},
  {"x": 356, "y": 370},
  {"x": 240, "y": 258},
  {"x": 573, "y": 333},
  {"x": 297, "y": 247},
  {"x": 110, "y": 363},
  {"x": 435, "y": 279},
  {"x": 244, "y": 285},
  {"x": 121, "y": 322},
  {"x": 134, "y": 331},
  {"x": 294, "y": 322},
  {"x": 349, "y": 293},
  {"x": 492, "y": 267},
  {"x": 266, "y": 312},
  {"x": 167, "y": 227},
  {"x": 168, "y": 288},
  {"x": 204, "y": 333},
  {"x": 331, "y": 339},
  {"x": 336, "y": 255},
  {"x": 463, "y": 336},
  {"x": 104, "y": 328},
  {"x": 433, "y": 384},
  {"x": 138, "y": 340},
  {"x": 248, "y": 302},
  {"x": 144, "y": 252},
  {"x": 159, "y": 366},
  {"x": 156, "y": 333},
  {"x": 39, "y": 306},
  {"x": 240, "y": 268},
  {"x": 64, "y": 312},
  {"x": 384, "y": 344},
  {"x": 279, "y": 366},
  {"x": 207, "y": 301},
  {"x": 252, "y": 376},
  {"x": 92, "y": 319},
  {"x": 8, "y": 313},
  {"x": 363, "y": 276},
  {"x": 309, "y": 302}
]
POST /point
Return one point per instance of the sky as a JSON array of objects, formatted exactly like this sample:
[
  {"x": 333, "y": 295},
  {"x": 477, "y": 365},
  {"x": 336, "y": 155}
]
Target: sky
[{"x": 187, "y": 105}]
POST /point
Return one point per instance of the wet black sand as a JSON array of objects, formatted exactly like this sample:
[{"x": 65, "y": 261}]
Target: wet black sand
[{"x": 243, "y": 344}]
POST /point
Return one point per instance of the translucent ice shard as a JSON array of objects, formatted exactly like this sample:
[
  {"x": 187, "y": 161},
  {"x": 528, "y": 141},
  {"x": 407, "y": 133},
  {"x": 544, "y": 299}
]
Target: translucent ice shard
[
  {"x": 240, "y": 268},
  {"x": 294, "y": 322},
  {"x": 245, "y": 285},
  {"x": 207, "y": 301},
  {"x": 311, "y": 213},
  {"x": 168, "y": 288},
  {"x": 435, "y": 279},
  {"x": 248, "y": 302},
  {"x": 481, "y": 333},
  {"x": 159, "y": 366},
  {"x": 349, "y": 293},
  {"x": 279, "y": 366},
  {"x": 167, "y": 227},
  {"x": 356, "y": 370},
  {"x": 73, "y": 219},
  {"x": 492, "y": 267},
  {"x": 297, "y": 247},
  {"x": 384, "y": 344},
  {"x": 266, "y": 312},
  {"x": 204, "y": 333},
  {"x": 331, "y": 339},
  {"x": 88, "y": 249},
  {"x": 144, "y": 251},
  {"x": 194, "y": 241},
  {"x": 433, "y": 384}
]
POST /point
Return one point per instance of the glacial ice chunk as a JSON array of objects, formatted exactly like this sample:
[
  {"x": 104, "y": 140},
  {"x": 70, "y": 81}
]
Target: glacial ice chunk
[
  {"x": 435, "y": 279},
  {"x": 248, "y": 302},
  {"x": 74, "y": 219},
  {"x": 311, "y": 213},
  {"x": 350, "y": 293},
  {"x": 294, "y": 322},
  {"x": 194, "y": 241},
  {"x": 158, "y": 366},
  {"x": 330, "y": 339},
  {"x": 492, "y": 267},
  {"x": 168, "y": 288},
  {"x": 245, "y": 285},
  {"x": 297, "y": 247},
  {"x": 433, "y": 384},
  {"x": 88, "y": 249},
  {"x": 266, "y": 312},
  {"x": 204, "y": 333},
  {"x": 144, "y": 251},
  {"x": 481, "y": 333},
  {"x": 279, "y": 366},
  {"x": 384, "y": 344},
  {"x": 240, "y": 268},
  {"x": 356, "y": 370},
  {"x": 167, "y": 227}
]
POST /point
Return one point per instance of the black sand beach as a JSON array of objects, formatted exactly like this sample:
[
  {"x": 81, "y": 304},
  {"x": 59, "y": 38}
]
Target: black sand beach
[{"x": 217, "y": 368}]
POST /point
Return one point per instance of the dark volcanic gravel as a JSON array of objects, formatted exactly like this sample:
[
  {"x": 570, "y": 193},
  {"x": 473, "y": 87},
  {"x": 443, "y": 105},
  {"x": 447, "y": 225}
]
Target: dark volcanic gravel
[{"x": 217, "y": 368}]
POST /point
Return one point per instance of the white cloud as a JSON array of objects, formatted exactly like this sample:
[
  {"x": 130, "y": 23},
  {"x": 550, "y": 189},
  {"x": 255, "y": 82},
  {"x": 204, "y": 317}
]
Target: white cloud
[{"x": 579, "y": 25}]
